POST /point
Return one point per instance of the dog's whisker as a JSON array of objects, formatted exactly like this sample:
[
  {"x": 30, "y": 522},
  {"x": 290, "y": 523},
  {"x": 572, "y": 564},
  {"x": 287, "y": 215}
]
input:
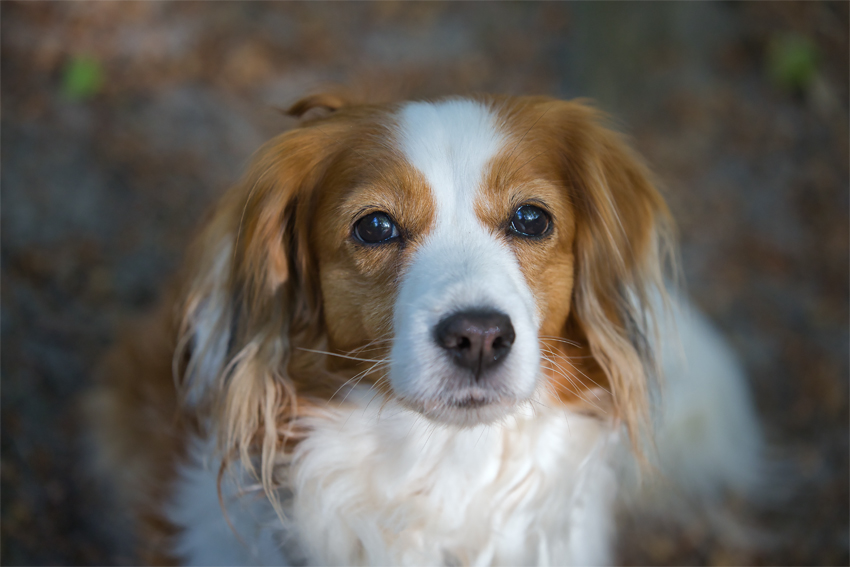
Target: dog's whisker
[
  {"x": 558, "y": 354},
  {"x": 371, "y": 388},
  {"x": 577, "y": 369},
  {"x": 555, "y": 367},
  {"x": 562, "y": 372},
  {"x": 376, "y": 388},
  {"x": 549, "y": 387},
  {"x": 539, "y": 403},
  {"x": 317, "y": 351},
  {"x": 560, "y": 340},
  {"x": 379, "y": 382},
  {"x": 428, "y": 439},
  {"x": 371, "y": 345},
  {"x": 359, "y": 377},
  {"x": 480, "y": 435}
]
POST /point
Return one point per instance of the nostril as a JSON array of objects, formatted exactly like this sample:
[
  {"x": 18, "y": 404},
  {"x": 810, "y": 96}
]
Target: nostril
[{"x": 475, "y": 339}]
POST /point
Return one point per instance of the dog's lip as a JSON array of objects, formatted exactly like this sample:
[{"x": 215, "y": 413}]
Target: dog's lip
[
  {"x": 471, "y": 399},
  {"x": 469, "y": 402},
  {"x": 464, "y": 409}
]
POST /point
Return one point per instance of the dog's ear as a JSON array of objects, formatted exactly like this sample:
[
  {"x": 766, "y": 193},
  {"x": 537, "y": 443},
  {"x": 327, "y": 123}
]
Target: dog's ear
[
  {"x": 316, "y": 104},
  {"x": 623, "y": 241},
  {"x": 251, "y": 288}
]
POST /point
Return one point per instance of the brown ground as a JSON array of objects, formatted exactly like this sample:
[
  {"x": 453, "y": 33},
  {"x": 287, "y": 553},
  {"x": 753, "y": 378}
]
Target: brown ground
[{"x": 101, "y": 191}]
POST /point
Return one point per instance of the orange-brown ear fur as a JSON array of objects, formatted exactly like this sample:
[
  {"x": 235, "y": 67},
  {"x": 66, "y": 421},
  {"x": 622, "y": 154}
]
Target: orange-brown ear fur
[
  {"x": 623, "y": 241},
  {"x": 250, "y": 287}
]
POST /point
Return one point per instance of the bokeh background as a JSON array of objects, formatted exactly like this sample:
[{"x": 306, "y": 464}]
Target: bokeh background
[{"x": 122, "y": 123}]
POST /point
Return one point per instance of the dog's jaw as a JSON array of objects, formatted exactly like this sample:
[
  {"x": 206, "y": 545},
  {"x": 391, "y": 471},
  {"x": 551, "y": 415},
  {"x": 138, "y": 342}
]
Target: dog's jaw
[{"x": 461, "y": 266}]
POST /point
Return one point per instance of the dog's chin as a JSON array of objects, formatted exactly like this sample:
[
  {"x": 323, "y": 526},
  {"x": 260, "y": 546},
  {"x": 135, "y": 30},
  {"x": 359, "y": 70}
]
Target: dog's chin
[{"x": 467, "y": 408}]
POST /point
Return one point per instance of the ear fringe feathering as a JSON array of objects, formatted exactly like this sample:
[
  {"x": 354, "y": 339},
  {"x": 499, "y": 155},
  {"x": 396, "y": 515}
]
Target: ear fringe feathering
[
  {"x": 624, "y": 246},
  {"x": 240, "y": 312}
]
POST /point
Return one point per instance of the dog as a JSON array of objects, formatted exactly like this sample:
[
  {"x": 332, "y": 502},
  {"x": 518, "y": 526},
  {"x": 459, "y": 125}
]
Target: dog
[{"x": 432, "y": 332}]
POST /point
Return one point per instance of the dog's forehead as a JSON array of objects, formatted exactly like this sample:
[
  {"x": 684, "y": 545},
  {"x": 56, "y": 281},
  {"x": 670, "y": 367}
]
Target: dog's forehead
[{"x": 450, "y": 143}]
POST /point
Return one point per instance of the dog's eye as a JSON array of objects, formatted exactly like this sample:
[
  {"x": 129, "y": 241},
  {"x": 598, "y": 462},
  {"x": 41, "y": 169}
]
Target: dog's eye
[
  {"x": 529, "y": 220},
  {"x": 375, "y": 227}
]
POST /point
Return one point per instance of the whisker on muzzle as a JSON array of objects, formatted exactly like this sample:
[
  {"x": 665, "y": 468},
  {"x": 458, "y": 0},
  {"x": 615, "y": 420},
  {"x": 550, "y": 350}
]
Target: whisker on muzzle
[
  {"x": 567, "y": 359},
  {"x": 560, "y": 340},
  {"x": 357, "y": 378},
  {"x": 340, "y": 355},
  {"x": 563, "y": 372}
]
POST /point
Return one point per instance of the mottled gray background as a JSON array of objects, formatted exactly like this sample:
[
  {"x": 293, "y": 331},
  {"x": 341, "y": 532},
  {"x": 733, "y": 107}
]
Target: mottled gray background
[{"x": 741, "y": 108}]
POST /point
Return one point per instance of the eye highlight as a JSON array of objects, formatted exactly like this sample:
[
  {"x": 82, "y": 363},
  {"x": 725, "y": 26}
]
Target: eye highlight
[
  {"x": 375, "y": 228},
  {"x": 530, "y": 221}
]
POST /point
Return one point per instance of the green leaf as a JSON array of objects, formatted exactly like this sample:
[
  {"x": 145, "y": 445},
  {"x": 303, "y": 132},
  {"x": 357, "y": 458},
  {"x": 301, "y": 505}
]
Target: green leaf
[
  {"x": 83, "y": 78},
  {"x": 793, "y": 62}
]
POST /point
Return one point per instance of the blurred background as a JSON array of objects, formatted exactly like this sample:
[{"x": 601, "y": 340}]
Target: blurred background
[{"x": 123, "y": 122}]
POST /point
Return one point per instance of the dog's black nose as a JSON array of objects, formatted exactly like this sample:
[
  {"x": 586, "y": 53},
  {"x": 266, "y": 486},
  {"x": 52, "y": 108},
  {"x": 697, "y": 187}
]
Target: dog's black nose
[{"x": 477, "y": 340}]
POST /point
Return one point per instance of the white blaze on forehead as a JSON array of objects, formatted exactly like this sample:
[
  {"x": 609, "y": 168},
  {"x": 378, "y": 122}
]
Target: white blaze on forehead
[
  {"x": 450, "y": 143},
  {"x": 461, "y": 264}
]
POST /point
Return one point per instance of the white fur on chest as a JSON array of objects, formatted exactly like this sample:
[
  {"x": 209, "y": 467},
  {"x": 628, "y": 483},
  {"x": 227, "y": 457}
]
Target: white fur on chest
[
  {"x": 384, "y": 486},
  {"x": 381, "y": 485}
]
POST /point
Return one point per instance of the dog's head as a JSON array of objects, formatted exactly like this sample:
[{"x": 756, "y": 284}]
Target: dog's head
[{"x": 462, "y": 256}]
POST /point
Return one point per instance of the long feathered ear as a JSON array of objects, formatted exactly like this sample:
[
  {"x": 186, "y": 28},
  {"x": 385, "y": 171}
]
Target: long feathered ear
[
  {"x": 250, "y": 290},
  {"x": 623, "y": 243}
]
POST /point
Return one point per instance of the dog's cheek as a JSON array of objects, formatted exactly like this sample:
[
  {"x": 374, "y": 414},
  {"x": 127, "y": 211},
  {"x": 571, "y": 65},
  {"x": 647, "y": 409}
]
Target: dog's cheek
[
  {"x": 549, "y": 274},
  {"x": 357, "y": 309},
  {"x": 376, "y": 310},
  {"x": 553, "y": 291}
]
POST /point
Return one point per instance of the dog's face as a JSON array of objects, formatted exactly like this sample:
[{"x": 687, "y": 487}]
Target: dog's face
[
  {"x": 454, "y": 246},
  {"x": 462, "y": 256}
]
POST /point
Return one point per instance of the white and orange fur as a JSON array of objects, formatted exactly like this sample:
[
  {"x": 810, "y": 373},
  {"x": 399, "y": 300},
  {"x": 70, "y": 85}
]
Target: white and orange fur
[{"x": 290, "y": 403}]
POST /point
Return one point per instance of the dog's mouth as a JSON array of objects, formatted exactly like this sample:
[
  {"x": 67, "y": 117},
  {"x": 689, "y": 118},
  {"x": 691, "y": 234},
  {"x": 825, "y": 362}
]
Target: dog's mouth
[
  {"x": 469, "y": 402},
  {"x": 468, "y": 408}
]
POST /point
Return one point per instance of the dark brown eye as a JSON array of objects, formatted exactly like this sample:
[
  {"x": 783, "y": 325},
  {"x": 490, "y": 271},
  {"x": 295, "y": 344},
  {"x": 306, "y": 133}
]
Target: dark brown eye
[
  {"x": 529, "y": 220},
  {"x": 375, "y": 228}
]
